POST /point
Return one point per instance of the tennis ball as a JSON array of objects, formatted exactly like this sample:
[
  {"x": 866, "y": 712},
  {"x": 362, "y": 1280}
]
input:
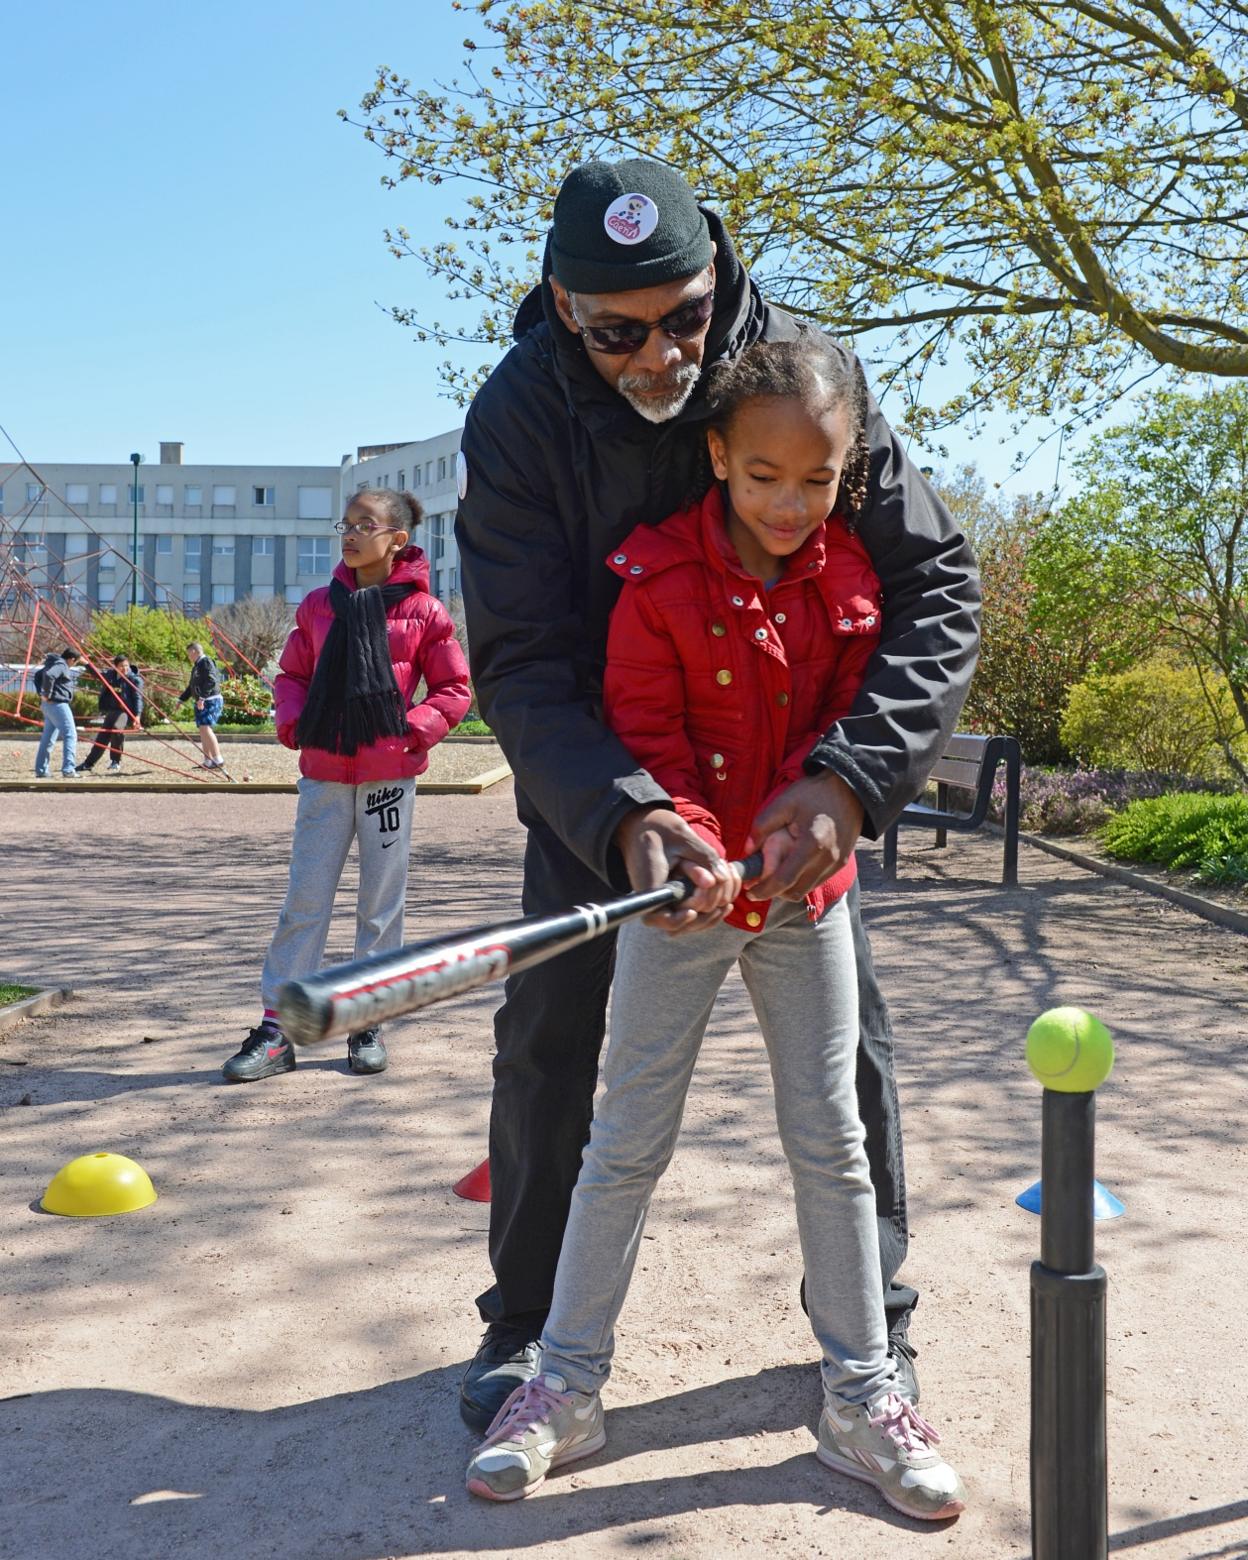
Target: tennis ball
[{"x": 1069, "y": 1050}]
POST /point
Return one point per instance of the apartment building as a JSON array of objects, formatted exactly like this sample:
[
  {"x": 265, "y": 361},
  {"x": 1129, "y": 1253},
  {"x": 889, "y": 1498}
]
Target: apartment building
[
  {"x": 209, "y": 535},
  {"x": 425, "y": 468}
]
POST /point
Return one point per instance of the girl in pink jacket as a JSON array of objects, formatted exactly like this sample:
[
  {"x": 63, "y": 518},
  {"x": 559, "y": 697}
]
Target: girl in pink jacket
[{"x": 349, "y": 673}]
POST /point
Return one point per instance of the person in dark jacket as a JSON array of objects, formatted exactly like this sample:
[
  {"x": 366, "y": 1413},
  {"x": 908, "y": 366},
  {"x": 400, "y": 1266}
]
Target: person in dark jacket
[
  {"x": 121, "y": 705},
  {"x": 593, "y": 423},
  {"x": 205, "y": 688},
  {"x": 54, "y": 683}
]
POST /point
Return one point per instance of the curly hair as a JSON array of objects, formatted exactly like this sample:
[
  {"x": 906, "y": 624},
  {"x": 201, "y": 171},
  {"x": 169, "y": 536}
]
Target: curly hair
[
  {"x": 813, "y": 370},
  {"x": 402, "y": 510}
]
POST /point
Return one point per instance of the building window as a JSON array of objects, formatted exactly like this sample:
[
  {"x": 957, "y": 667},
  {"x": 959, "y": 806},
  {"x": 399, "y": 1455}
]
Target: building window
[
  {"x": 316, "y": 503},
  {"x": 428, "y": 473},
  {"x": 164, "y": 546},
  {"x": 262, "y": 497},
  {"x": 192, "y": 550},
  {"x": 441, "y": 468},
  {"x": 314, "y": 555},
  {"x": 130, "y": 493},
  {"x": 402, "y": 482},
  {"x": 262, "y": 547},
  {"x": 108, "y": 492},
  {"x": 34, "y": 492},
  {"x": 190, "y": 593},
  {"x": 192, "y": 495},
  {"x": 106, "y": 591},
  {"x": 75, "y": 545},
  {"x": 223, "y": 495},
  {"x": 162, "y": 595},
  {"x": 415, "y": 476},
  {"x": 385, "y": 481},
  {"x": 164, "y": 492},
  {"x": 262, "y": 592},
  {"x": 77, "y": 493},
  {"x": 294, "y": 594},
  {"x": 222, "y": 595},
  {"x": 223, "y": 547}
]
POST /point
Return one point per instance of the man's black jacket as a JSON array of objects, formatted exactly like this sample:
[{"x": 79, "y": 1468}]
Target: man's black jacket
[
  {"x": 205, "y": 681},
  {"x": 559, "y": 469},
  {"x": 122, "y": 691}
]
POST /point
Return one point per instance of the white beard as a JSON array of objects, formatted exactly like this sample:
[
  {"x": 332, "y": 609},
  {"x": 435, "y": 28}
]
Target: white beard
[{"x": 659, "y": 409}]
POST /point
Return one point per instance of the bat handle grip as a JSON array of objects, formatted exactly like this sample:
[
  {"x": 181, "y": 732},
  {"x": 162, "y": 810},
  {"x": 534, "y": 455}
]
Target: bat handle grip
[{"x": 750, "y": 868}]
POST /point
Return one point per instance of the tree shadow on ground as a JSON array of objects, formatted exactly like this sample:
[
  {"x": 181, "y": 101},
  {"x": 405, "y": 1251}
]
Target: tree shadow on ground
[{"x": 373, "y": 1473}]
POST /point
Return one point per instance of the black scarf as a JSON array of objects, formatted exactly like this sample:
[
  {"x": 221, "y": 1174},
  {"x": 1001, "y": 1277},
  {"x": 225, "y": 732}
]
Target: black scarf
[{"x": 353, "y": 700}]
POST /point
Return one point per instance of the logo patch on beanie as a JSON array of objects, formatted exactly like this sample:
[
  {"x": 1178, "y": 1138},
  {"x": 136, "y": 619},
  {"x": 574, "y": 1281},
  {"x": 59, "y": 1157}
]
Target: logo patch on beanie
[{"x": 631, "y": 219}]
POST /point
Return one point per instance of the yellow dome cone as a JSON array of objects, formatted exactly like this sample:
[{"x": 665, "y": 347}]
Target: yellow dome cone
[{"x": 98, "y": 1184}]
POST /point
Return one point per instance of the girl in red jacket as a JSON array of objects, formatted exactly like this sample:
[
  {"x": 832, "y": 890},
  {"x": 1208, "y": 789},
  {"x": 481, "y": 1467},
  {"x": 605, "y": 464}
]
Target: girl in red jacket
[
  {"x": 742, "y": 633},
  {"x": 349, "y": 673}
]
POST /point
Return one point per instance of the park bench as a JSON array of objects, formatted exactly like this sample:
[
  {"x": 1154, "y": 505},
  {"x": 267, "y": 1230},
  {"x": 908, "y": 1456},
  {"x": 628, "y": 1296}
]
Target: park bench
[{"x": 968, "y": 764}]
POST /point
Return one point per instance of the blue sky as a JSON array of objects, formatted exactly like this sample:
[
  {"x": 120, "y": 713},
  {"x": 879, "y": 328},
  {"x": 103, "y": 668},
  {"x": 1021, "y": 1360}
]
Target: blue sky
[{"x": 194, "y": 247}]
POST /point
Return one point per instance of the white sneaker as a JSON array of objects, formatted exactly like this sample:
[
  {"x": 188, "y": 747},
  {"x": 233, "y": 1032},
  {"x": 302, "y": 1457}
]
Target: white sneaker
[
  {"x": 114, "y": 769},
  {"x": 541, "y": 1426},
  {"x": 888, "y": 1444}
]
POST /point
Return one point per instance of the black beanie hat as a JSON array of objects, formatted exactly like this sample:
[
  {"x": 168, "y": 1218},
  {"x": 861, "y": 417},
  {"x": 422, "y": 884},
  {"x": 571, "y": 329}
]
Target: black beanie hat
[{"x": 620, "y": 226}]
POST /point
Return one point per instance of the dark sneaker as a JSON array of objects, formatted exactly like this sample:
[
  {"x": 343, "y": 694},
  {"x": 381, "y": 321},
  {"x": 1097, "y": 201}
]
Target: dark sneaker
[
  {"x": 365, "y": 1052},
  {"x": 265, "y": 1051},
  {"x": 506, "y": 1360}
]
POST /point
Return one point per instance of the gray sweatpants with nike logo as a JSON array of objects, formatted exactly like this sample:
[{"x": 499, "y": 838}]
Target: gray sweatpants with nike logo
[{"x": 329, "y": 816}]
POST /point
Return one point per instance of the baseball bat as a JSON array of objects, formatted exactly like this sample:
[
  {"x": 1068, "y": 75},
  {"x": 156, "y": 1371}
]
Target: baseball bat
[{"x": 354, "y": 996}]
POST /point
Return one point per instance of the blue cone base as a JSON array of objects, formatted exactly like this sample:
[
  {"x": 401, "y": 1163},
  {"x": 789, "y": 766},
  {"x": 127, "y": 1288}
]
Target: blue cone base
[{"x": 1104, "y": 1204}]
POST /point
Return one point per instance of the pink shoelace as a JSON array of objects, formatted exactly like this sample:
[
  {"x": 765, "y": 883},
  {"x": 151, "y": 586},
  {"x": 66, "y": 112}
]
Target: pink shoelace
[
  {"x": 532, "y": 1403},
  {"x": 900, "y": 1420}
]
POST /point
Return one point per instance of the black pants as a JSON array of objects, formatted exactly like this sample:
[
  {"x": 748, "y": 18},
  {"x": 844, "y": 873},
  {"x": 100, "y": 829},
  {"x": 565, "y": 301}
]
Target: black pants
[
  {"x": 549, "y": 1034},
  {"x": 112, "y": 735}
]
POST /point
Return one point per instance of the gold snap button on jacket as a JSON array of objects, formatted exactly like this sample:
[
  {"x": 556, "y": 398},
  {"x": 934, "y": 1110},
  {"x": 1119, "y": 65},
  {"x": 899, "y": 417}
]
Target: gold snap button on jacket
[
  {"x": 753, "y": 919},
  {"x": 723, "y": 678},
  {"x": 718, "y": 630},
  {"x": 782, "y": 699}
]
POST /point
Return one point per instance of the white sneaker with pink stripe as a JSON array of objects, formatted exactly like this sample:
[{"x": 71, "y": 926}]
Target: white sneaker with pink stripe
[{"x": 890, "y": 1445}]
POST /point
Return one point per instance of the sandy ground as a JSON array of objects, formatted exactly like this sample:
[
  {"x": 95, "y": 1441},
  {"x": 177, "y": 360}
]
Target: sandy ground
[
  {"x": 265, "y": 1362},
  {"x": 149, "y": 760}
]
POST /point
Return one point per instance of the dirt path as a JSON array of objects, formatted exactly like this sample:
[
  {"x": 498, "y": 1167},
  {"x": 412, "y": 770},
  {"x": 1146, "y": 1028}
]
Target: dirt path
[{"x": 265, "y": 1363}]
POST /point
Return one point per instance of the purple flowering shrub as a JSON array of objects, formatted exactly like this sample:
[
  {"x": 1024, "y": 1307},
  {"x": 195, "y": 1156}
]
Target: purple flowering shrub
[{"x": 1079, "y": 801}]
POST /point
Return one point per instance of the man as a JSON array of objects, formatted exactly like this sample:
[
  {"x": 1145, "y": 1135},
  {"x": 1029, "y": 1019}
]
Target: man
[
  {"x": 54, "y": 683},
  {"x": 205, "y": 688},
  {"x": 121, "y": 701},
  {"x": 592, "y": 423}
]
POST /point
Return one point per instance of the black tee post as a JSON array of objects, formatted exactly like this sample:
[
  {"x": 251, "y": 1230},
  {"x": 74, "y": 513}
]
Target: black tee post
[{"x": 1069, "y": 1483}]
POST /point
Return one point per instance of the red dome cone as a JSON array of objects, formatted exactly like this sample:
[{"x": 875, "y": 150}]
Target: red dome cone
[{"x": 475, "y": 1186}]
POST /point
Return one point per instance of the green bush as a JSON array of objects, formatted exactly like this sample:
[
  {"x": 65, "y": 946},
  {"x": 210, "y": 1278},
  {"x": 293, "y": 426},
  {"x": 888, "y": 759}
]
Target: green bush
[
  {"x": 150, "y": 636},
  {"x": 85, "y": 705},
  {"x": 1205, "y": 834},
  {"x": 1153, "y": 717}
]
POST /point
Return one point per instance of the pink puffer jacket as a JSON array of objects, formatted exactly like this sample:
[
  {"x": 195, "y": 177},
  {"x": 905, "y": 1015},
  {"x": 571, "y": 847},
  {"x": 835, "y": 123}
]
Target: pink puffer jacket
[{"x": 422, "y": 644}]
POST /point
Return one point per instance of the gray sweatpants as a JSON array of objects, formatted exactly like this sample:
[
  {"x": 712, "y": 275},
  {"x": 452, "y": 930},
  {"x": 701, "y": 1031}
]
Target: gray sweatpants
[
  {"x": 329, "y": 816},
  {"x": 802, "y": 983}
]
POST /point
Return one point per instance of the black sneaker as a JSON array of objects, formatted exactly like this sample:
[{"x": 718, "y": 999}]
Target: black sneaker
[
  {"x": 265, "y": 1051},
  {"x": 365, "y": 1052},
  {"x": 506, "y": 1359}
]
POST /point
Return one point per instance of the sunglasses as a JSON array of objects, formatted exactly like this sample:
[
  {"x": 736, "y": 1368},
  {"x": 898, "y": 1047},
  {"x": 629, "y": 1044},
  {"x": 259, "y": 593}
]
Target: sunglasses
[{"x": 632, "y": 335}]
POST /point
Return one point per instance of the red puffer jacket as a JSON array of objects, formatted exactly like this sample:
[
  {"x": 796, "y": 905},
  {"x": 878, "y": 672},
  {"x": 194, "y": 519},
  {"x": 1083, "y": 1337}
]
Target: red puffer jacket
[
  {"x": 720, "y": 687},
  {"x": 422, "y": 644}
]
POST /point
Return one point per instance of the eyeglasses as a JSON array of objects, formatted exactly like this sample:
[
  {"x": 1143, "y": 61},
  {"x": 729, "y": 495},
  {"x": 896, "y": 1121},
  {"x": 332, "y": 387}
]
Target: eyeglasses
[
  {"x": 368, "y": 528},
  {"x": 632, "y": 335}
]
